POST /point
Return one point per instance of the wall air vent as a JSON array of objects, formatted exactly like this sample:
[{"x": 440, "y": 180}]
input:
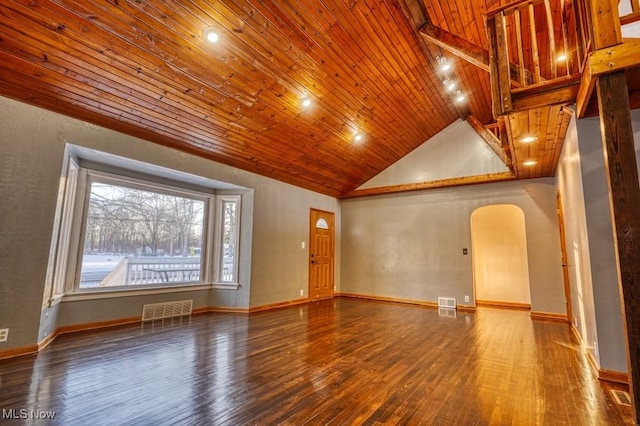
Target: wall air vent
[
  {"x": 446, "y": 302},
  {"x": 621, "y": 397},
  {"x": 156, "y": 311}
]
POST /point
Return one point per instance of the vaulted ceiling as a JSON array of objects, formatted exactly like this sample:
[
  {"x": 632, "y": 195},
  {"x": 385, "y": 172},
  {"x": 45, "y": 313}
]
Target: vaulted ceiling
[{"x": 143, "y": 67}]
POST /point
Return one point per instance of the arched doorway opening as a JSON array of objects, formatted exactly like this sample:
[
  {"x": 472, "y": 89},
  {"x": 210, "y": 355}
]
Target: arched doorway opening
[{"x": 499, "y": 256}]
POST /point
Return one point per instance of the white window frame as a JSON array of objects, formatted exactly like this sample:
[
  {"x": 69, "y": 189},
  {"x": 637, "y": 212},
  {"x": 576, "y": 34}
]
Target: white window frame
[
  {"x": 219, "y": 252},
  {"x": 59, "y": 258},
  {"x": 70, "y": 239}
]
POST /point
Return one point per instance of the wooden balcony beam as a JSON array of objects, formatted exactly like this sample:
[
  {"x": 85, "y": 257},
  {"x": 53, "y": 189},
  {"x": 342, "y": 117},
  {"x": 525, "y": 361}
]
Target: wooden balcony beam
[
  {"x": 610, "y": 59},
  {"x": 587, "y": 84},
  {"x": 615, "y": 58},
  {"x": 491, "y": 140},
  {"x": 551, "y": 92}
]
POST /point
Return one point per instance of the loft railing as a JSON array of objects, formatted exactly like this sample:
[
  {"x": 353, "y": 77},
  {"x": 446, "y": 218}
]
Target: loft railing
[
  {"x": 498, "y": 130},
  {"x": 633, "y": 9},
  {"x": 536, "y": 45},
  {"x": 501, "y": 139}
]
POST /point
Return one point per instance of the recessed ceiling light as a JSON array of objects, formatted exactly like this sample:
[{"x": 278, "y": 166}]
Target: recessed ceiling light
[
  {"x": 561, "y": 57},
  {"x": 460, "y": 97},
  {"x": 211, "y": 35},
  {"x": 528, "y": 139},
  {"x": 445, "y": 67},
  {"x": 305, "y": 102},
  {"x": 358, "y": 137},
  {"x": 530, "y": 163}
]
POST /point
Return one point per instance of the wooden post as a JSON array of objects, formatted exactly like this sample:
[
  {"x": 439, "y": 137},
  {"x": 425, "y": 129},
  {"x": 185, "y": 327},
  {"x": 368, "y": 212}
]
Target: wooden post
[
  {"x": 564, "y": 10},
  {"x": 534, "y": 44},
  {"x": 496, "y": 100},
  {"x": 518, "y": 21},
  {"x": 623, "y": 182},
  {"x": 504, "y": 78},
  {"x": 624, "y": 200},
  {"x": 553, "y": 56}
]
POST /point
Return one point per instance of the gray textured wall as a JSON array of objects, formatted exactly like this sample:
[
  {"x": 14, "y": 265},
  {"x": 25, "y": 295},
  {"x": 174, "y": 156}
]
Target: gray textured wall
[
  {"x": 456, "y": 151},
  {"x": 577, "y": 237},
  {"x": 608, "y": 313},
  {"x": 409, "y": 245}
]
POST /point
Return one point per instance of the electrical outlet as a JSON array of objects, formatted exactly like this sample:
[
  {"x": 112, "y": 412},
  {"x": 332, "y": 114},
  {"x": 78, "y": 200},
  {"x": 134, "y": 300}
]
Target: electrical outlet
[
  {"x": 466, "y": 298},
  {"x": 301, "y": 292},
  {"x": 4, "y": 334},
  {"x": 302, "y": 245}
]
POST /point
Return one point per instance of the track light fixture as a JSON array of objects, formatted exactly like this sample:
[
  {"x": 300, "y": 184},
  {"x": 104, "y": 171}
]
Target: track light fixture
[
  {"x": 449, "y": 84},
  {"x": 443, "y": 63}
]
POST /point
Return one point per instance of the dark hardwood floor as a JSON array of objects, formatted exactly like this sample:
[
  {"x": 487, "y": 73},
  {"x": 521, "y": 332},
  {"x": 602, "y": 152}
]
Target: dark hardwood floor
[{"x": 338, "y": 361}]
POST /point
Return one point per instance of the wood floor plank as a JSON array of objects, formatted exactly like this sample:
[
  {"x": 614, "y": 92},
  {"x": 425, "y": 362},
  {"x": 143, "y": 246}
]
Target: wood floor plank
[{"x": 337, "y": 361}]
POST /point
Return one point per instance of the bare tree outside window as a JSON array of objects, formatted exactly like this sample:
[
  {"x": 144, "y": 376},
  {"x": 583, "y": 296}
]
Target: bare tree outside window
[{"x": 163, "y": 232}]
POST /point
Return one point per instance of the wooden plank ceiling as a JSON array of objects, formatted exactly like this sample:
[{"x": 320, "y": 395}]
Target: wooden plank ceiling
[{"x": 143, "y": 68}]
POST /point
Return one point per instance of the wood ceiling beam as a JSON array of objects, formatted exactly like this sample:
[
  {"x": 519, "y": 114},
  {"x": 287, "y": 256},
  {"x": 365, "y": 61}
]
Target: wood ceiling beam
[
  {"x": 417, "y": 15},
  {"x": 458, "y": 46},
  {"x": 415, "y": 10},
  {"x": 467, "y": 51},
  {"x": 435, "y": 184}
]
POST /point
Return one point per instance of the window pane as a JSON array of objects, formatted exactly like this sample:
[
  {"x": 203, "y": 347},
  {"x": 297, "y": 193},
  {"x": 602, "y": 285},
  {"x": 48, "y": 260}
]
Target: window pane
[
  {"x": 228, "y": 241},
  {"x": 322, "y": 224},
  {"x": 139, "y": 237}
]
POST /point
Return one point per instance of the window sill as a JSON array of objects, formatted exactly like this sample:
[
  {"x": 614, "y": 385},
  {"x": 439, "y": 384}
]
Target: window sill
[
  {"x": 55, "y": 300},
  {"x": 107, "y": 294}
]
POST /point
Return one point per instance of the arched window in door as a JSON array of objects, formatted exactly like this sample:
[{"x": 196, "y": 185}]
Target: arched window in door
[{"x": 322, "y": 224}]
